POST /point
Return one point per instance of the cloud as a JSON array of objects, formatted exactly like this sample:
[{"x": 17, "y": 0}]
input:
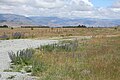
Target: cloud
[
  {"x": 116, "y": 4},
  {"x": 80, "y": 5},
  {"x": 34, "y": 3},
  {"x": 59, "y": 8},
  {"x": 48, "y": 4},
  {"x": 113, "y": 11},
  {"x": 13, "y": 2}
]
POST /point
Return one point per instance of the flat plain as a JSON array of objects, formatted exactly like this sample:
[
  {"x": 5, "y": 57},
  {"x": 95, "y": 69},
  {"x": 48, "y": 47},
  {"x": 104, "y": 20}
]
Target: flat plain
[{"x": 82, "y": 54}]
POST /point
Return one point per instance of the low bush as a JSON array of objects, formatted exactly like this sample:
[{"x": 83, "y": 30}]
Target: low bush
[
  {"x": 26, "y": 60},
  {"x": 4, "y": 37},
  {"x": 32, "y": 28},
  {"x": 22, "y": 56},
  {"x": 17, "y": 35},
  {"x": 68, "y": 46},
  {"x": 12, "y": 28}
]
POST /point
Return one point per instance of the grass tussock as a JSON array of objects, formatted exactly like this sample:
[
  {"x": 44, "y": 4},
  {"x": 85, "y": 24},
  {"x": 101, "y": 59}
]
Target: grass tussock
[{"x": 94, "y": 59}]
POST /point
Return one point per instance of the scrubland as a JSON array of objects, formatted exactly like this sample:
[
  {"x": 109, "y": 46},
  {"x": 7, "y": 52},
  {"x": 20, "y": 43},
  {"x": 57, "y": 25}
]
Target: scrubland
[{"x": 95, "y": 58}]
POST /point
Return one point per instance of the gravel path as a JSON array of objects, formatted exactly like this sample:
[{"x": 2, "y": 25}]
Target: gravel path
[{"x": 15, "y": 45}]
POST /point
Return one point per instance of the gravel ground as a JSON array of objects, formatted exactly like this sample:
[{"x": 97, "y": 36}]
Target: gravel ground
[{"x": 15, "y": 45}]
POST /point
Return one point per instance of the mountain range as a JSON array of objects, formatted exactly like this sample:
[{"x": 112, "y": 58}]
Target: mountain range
[{"x": 20, "y": 20}]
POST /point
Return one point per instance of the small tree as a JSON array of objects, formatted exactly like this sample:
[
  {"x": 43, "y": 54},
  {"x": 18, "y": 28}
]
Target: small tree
[
  {"x": 12, "y": 28},
  {"x": 115, "y": 28},
  {"x": 31, "y": 28},
  {"x": 5, "y": 26}
]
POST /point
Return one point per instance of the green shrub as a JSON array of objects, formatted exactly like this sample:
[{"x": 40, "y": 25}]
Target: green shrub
[
  {"x": 12, "y": 28},
  {"x": 32, "y": 28},
  {"x": 26, "y": 58},
  {"x": 68, "y": 46},
  {"x": 69, "y": 34},
  {"x": 38, "y": 66},
  {"x": 4, "y": 26},
  {"x": 21, "y": 57},
  {"x": 28, "y": 69}
]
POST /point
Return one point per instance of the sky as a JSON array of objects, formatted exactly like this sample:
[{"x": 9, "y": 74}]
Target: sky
[
  {"x": 103, "y": 9},
  {"x": 102, "y": 3}
]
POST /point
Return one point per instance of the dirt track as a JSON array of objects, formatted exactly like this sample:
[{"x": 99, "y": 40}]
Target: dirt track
[{"x": 15, "y": 45}]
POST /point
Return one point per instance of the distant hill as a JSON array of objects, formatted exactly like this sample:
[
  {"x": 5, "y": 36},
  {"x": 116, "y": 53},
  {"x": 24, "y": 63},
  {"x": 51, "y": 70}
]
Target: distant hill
[
  {"x": 14, "y": 20},
  {"x": 18, "y": 20}
]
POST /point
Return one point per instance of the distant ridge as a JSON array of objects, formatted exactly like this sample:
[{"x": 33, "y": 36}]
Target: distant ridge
[
  {"x": 14, "y": 20},
  {"x": 19, "y": 20}
]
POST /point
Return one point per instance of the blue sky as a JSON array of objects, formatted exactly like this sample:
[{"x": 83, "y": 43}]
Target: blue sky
[{"x": 102, "y": 3}]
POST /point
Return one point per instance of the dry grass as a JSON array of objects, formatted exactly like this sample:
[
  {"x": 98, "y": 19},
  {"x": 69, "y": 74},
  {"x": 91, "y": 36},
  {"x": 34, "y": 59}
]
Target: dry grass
[
  {"x": 60, "y": 32},
  {"x": 95, "y": 59}
]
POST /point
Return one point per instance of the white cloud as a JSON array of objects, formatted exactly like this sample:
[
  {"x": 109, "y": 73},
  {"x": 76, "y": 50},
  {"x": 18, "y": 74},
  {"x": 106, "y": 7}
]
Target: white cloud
[
  {"x": 47, "y": 4},
  {"x": 79, "y": 5},
  {"x": 13, "y": 2},
  {"x": 116, "y": 4},
  {"x": 59, "y": 8},
  {"x": 114, "y": 10}
]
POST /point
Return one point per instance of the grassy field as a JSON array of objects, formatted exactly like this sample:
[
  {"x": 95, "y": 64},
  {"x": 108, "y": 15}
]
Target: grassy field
[
  {"x": 59, "y": 32},
  {"x": 97, "y": 58}
]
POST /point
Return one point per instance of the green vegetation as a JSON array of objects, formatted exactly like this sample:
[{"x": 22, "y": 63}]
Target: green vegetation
[
  {"x": 4, "y": 26},
  {"x": 22, "y": 56},
  {"x": 64, "y": 46},
  {"x": 93, "y": 59},
  {"x": 32, "y": 28},
  {"x": 11, "y": 77},
  {"x": 11, "y": 28},
  {"x": 35, "y": 27},
  {"x": 79, "y": 26}
]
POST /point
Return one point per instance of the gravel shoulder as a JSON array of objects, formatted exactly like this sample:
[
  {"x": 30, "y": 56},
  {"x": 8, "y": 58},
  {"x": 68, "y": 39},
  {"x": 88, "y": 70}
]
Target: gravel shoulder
[{"x": 15, "y": 45}]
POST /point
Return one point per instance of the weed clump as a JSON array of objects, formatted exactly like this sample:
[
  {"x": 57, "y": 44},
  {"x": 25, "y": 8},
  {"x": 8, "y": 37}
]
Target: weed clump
[
  {"x": 17, "y": 35},
  {"x": 27, "y": 60},
  {"x": 68, "y": 46},
  {"x": 4, "y": 36},
  {"x": 22, "y": 56}
]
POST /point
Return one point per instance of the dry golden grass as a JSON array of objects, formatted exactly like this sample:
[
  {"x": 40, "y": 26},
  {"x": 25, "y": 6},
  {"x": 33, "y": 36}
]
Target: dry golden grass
[
  {"x": 95, "y": 59},
  {"x": 60, "y": 32}
]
